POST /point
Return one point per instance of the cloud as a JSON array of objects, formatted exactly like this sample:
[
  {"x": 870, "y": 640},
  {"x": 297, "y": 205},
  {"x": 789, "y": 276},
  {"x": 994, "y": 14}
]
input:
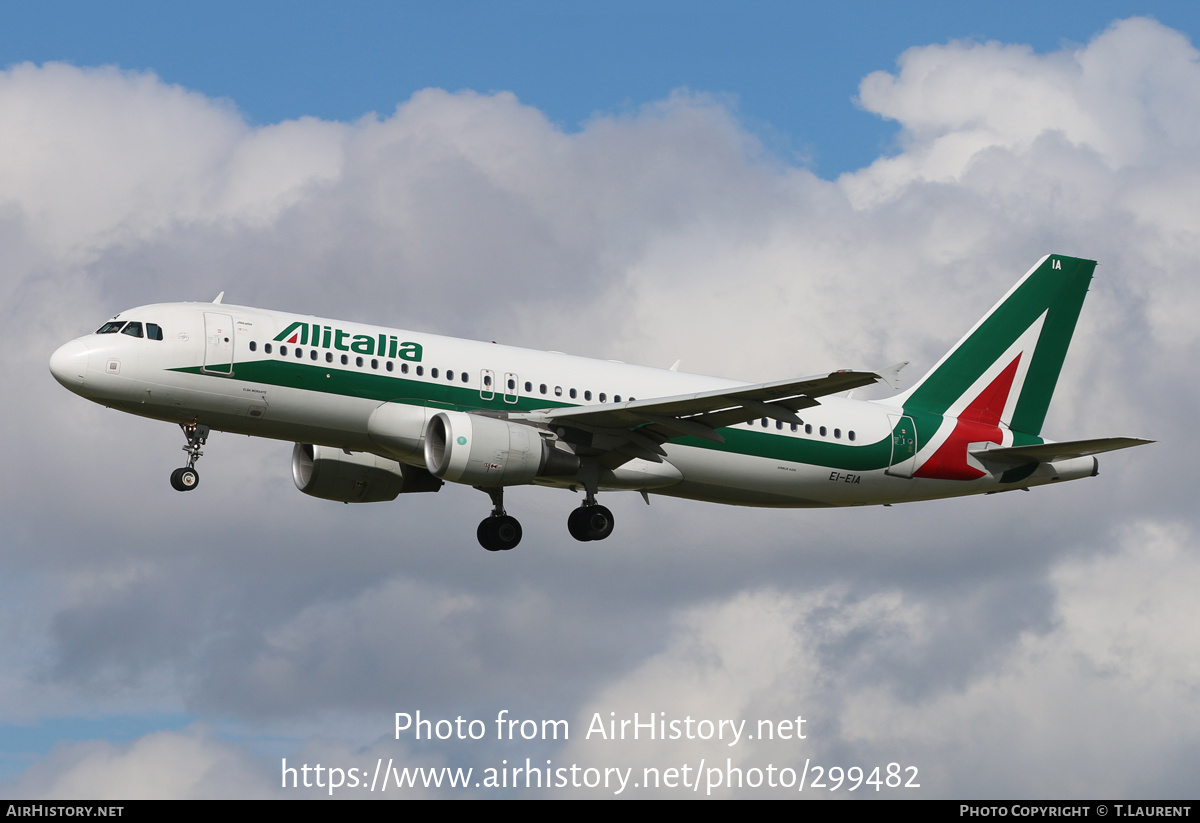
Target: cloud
[
  {"x": 1124, "y": 96},
  {"x": 967, "y": 637},
  {"x": 1098, "y": 694},
  {"x": 160, "y": 766}
]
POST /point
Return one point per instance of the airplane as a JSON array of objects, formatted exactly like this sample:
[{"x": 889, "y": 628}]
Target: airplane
[{"x": 377, "y": 412}]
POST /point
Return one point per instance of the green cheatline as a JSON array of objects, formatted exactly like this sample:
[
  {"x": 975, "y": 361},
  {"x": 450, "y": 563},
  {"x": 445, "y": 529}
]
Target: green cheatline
[{"x": 385, "y": 388}]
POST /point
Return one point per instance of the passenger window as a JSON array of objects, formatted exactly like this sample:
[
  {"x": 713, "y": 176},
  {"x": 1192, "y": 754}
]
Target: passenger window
[
  {"x": 558, "y": 391},
  {"x": 253, "y": 346},
  {"x": 283, "y": 351},
  {"x": 312, "y": 355},
  {"x": 822, "y": 431},
  {"x": 765, "y": 423},
  {"x": 587, "y": 395},
  {"x": 420, "y": 371},
  {"x": 572, "y": 394},
  {"x": 389, "y": 365},
  {"x": 512, "y": 384},
  {"x": 851, "y": 434},
  {"x": 133, "y": 329},
  {"x": 328, "y": 357},
  {"x": 345, "y": 360},
  {"x": 299, "y": 353},
  {"x": 808, "y": 428},
  {"x": 837, "y": 434},
  {"x": 464, "y": 377},
  {"x": 358, "y": 362},
  {"x": 616, "y": 398},
  {"x": 450, "y": 375},
  {"x": 267, "y": 348},
  {"x": 374, "y": 364},
  {"x": 433, "y": 373},
  {"x": 528, "y": 386},
  {"x": 154, "y": 332},
  {"x": 404, "y": 368},
  {"x": 542, "y": 388},
  {"x": 603, "y": 397}
]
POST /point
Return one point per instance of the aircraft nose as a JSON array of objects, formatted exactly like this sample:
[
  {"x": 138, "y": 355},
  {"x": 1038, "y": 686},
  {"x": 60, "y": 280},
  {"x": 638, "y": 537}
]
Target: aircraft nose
[{"x": 69, "y": 364}]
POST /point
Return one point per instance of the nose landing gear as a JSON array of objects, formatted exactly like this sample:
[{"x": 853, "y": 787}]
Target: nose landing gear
[{"x": 188, "y": 478}]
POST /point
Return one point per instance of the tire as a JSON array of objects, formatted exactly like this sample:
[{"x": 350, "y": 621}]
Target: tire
[
  {"x": 485, "y": 536},
  {"x": 577, "y": 524},
  {"x": 599, "y": 522},
  {"x": 499, "y": 534},
  {"x": 188, "y": 479},
  {"x": 184, "y": 480},
  {"x": 508, "y": 532}
]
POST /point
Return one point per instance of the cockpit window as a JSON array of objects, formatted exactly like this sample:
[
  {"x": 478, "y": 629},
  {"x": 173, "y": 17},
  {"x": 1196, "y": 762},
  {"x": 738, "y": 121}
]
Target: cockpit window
[
  {"x": 133, "y": 328},
  {"x": 154, "y": 331},
  {"x": 111, "y": 327}
]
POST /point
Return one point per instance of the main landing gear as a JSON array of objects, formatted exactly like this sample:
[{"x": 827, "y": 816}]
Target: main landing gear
[
  {"x": 590, "y": 521},
  {"x": 498, "y": 532},
  {"x": 187, "y": 478}
]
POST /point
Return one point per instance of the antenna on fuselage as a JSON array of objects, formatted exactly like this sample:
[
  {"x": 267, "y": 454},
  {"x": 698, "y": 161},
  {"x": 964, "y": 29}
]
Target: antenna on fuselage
[{"x": 217, "y": 299}]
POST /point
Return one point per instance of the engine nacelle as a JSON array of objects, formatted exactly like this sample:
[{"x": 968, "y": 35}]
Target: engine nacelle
[
  {"x": 486, "y": 451},
  {"x": 332, "y": 474},
  {"x": 398, "y": 429}
]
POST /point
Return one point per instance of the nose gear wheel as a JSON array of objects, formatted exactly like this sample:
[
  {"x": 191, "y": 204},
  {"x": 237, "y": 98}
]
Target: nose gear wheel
[{"x": 184, "y": 480}]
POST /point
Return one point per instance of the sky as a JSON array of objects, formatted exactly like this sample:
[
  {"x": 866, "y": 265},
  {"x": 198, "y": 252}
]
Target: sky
[{"x": 762, "y": 192}]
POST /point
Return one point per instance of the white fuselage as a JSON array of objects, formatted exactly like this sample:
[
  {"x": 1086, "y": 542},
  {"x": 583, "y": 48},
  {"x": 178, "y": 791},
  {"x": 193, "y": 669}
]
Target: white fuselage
[{"x": 241, "y": 370}]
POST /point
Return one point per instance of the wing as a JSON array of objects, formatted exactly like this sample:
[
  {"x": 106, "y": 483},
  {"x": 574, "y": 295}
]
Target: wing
[
  {"x": 1049, "y": 452},
  {"x": 638, "y": 428}
]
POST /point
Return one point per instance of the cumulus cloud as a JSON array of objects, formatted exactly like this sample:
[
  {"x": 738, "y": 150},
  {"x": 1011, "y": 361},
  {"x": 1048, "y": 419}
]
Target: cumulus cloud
[
  {"x": 1098, "y": 695},
  {"x": 159, "y": 766},
  {"x": 967, "y": 637}
]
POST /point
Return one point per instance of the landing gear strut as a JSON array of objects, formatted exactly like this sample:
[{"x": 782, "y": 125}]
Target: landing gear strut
[
  {"x": 188, "y": 478},
  {"x": 498, "y": 532}
]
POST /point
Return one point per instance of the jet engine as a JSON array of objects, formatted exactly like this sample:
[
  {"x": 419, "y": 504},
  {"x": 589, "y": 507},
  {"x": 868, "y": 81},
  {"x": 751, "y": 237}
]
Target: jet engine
[
  {"x": 486, "y": 451},
  {"x": 355, "y": 477},
  {"x": 398, "y": 429}
]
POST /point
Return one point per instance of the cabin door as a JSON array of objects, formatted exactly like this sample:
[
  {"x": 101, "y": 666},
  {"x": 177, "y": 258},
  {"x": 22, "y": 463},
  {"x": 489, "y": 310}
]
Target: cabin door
[
  {"x": 904, "y": 446},
  {"x": 218, "y": 343}
]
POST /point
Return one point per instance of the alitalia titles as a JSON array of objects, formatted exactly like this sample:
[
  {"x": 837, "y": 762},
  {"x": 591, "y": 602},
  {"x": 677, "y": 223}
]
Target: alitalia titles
[{"x": 328, "y": 337}]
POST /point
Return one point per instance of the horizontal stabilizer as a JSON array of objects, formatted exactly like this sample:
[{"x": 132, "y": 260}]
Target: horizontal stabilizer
[
  {"x": 1049, "y": 452},
  {"x": 891, "y": 375}
]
